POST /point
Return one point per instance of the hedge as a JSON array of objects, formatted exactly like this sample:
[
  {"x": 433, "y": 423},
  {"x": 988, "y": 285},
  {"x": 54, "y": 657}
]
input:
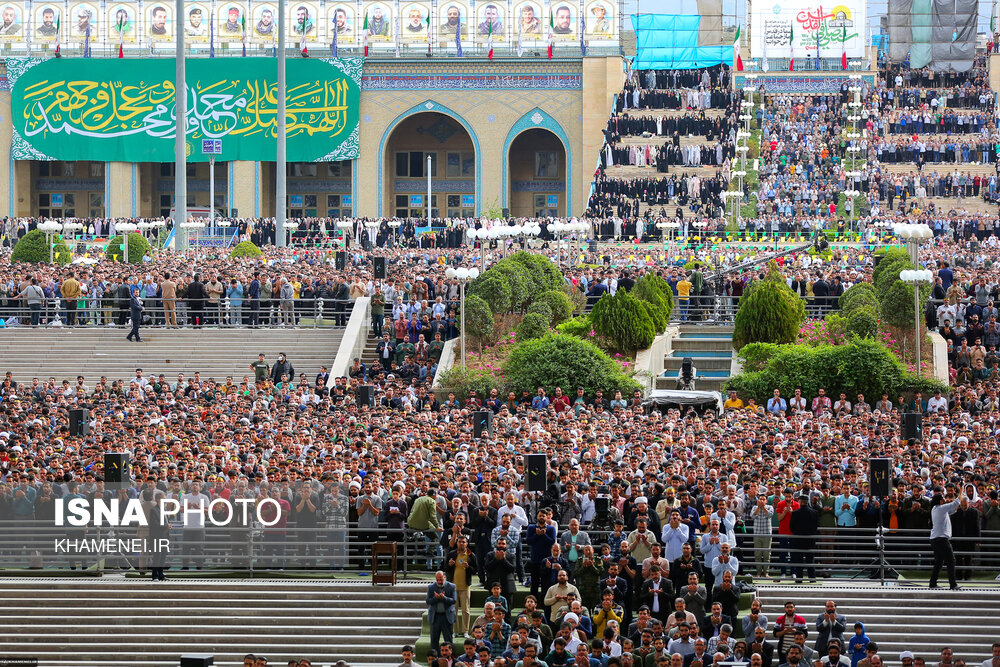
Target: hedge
[
  {"x": 580, "y": 327},
  {"x": 33, "y": 247},
  {"x": 461, "y": 381},
  {"x": 493, "y": 288},
  {"x": 623, "y": 321},
  {"x": 245, "y": 249},
  {"x": 558, "y": 302},
  {"x": 769, "y": 312},
  {"x": 138, "y": 246},
  {"x": 532, "y": 325},
  {"x": 557, "y": 360}
]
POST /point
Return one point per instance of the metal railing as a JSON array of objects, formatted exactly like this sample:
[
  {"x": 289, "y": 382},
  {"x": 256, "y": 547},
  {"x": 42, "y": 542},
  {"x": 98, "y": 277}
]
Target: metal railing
[
  {"x": 224, "y": 313},
  {"x": 839, "y": 552}
]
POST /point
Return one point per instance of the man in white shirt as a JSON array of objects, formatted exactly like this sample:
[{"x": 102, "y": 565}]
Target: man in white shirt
[{"x": 518, "y": 518}]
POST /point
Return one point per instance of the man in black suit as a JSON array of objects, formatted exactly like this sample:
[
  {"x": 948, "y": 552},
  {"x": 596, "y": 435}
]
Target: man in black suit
[
  {"x": 759, "y": 644},
  {"x": 500, "y": 567},
  {"x": 699, "y": 655},
  {"x": 657, "y": 593},
  {"x": 135, "y": 312},
  {"x": 804, "y": 524},
  {"x": 821, "y": 290},
  {"x": 710, "y": 624}
]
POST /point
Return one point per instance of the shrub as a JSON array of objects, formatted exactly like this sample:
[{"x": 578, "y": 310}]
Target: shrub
[
  {"x": 34, "y": 248},
  {"x": 462, "y": 381},
  {"x": 138, "y": 246},
  {"x": 863, "y": 322},
  {"x": 896, "y": 304},
  {"x": 890, "y": 274},
  {"x": 646, "y": 291},
  {"x": 245, "y": 249},
  {"x": 576, "y": 297},
  {"x": 532, "y": 325},
  {"x": 478, "y": 318},
  {"x": 564, "y": 361},
  {"x": 656, "y": 316},
  {"x": 754, "y": 356},
  {"x": 862, "y": 292},
  {"x": 559, "y": 304},
  {"x": 541, "y": 309},
  {"x": 623, "y": 321},
  {"x": 581, "y": 327},
  {"x": 494, "y": 288},
  {"x": 769, "y": 312},
  {"x": 888, "y": 256},
  {"x": 662, "y": 287},
  {"x": 544, "y": 273},
  {"x": 522, "y": 287},
  {"x": 861, "y": 366},
  {"x": 836, "y": 325}
]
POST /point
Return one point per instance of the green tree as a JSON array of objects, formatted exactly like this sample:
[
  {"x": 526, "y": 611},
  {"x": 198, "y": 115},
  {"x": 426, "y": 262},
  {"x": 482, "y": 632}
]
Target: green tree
[
  {"x": 863, "y": 321},
  {"x": 478, "y": 318},
  {"x": 557, "y": 360},
  {"x": 494, "y": 288},
  {"x": 890, "y": 274},
  {"x": 544, "y": 272},
  {"x": 857, "y": 295},
  {"x": 897, "y": 307},
  {"x": 532, "y": 325},
  {"x": 541, "y": 308},
  {"x": 245, "y": 249},
  {"x": 520, "y": 281},
  {"x": 559, "y": 303},
  {"x": 623, "y": 321},
  {"x": 34, "y": 248},
  {"x": 138, "y": 246},
  {"x": 769, "y": 312}
]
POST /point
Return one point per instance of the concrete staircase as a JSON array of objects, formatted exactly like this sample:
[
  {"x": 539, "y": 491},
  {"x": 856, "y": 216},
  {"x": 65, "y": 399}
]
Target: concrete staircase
[
  {"x": 901, "y": 618},
  {"x": 711, "y": 349},
  {"x": 66, "y": 353},
  {"x": 136, "y": 623}
]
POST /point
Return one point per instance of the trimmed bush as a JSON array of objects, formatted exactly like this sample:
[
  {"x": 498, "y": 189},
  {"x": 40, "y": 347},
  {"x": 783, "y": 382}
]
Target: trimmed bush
[
  {"x": 478, "y": 317},
  {"x": 541, "y": 309},
  {"x": 659, "y": 310},
  {"x": 861, "y": 366},
  {"x": 581, "y": 327},
  {"x": 556, "y": 360},
  {"x": 493, "y": 288},
  {"x": 34, "y": 248},
  {"x": 769, "y": 312},
  {"x": 888, "y": 256},
  {"x": 890, "y": 274},
  {"x": 863, "y": 293},
  {"x": 662, "y": 287},
  {"x": 463, "y": 381},
  {"x": 544, "y": 273},
  {"x": 532, "y": 325},
  {"x": 896, "y": 304},
  {"x": 522, "y": 287},
  {"x": 245, "y": 249},
  {"x": 623, "y": 321},
  {"x": 559, "y": 304},
  {"x": 863, "y": 322},
  {"x": 138, "y": 246}
]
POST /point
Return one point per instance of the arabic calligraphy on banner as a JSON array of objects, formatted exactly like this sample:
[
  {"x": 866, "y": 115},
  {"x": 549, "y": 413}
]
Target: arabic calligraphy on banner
[
  {"x": 830, "y": 28},
  {"x": 123, "y": 110}
]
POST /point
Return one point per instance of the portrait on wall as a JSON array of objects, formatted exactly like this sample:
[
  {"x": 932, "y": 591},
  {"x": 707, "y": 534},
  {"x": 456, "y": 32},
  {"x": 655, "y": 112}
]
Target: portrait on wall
[
  {"x": 47, "y": 17},
  {"x": 341, "y": 20},
  {"x": 302, "y": 19},
  {"x": 546, "y": 164},
  {"x": 528, "y": 17},
  {"x": 121, "y": 23},
  {"x": 564, "y": 19},
  {"x": 452, "y": 16},
  {"x": 379, "y": 22},
  {"x": 196, "y": 20},
  {"x": 490, "y": 16},
  {"x": 159, "y": 22},
  {"x": 413, "y": 20},
  {"x": 84, "y": 17},
  {"x": 229, "y": 22},
  {"x": 13, "y": 22},
  {"x": 600, "y": 18},
  {"x": 264, "y": 28}
]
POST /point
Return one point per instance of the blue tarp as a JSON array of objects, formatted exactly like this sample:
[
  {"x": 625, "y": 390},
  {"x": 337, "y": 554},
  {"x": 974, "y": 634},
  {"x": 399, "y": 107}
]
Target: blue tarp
[{"x": 670, "y": 41}]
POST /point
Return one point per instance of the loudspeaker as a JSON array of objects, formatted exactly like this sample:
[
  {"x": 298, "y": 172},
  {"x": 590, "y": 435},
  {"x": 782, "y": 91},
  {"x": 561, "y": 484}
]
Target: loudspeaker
[
  {"x": 482, "y": 424},
  {"x": 505, "y": 212},
  {"x": 912, "y": 425},
  {"x": 79, "y": 424},
  {"x": 366, "y": 396},
  {"x": 379, "y": 268},
  {"x": 879, "y": 482},
  {"x": 116, "y": 468},
  {"x": 197, "y": 660},
  {"x": 341, "y": 259},
  {"x": 592, "y": 245},
  {"x": 537, "y": 474},
  {"x": 878, "y": 258}
]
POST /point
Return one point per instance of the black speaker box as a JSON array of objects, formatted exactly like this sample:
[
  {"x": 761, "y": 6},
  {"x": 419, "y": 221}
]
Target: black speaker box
[
  {"x": 116, "y": 468},
  {"x": 199, "y": 660},
  {"x": 79, "y": 423},
  {"x": 482, "y": 424},
  {"x": 879, "y": 477},
  {"x": 535, "y": 466},
  {"x": 912, "y": 425},
  {"x": 379, "y": 263},
  {"x": 366, "y": 396},
  {"x": 341, "y": 259}
]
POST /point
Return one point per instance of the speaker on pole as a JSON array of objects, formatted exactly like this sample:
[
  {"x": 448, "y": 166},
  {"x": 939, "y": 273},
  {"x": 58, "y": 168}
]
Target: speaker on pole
[
  {"x": 366, "y": 396},
  {"x": 79, "y": 424},
  {"x": 379, "y": 268},
  {"x": 482, "y": 424},
  {"x": 879, "y": 477},
  {"x": 912, "y": 425},
  {"x": 341, "y": 259},
  {"x": 536, "y": 471},
  {"x": 116, "y": 469}
]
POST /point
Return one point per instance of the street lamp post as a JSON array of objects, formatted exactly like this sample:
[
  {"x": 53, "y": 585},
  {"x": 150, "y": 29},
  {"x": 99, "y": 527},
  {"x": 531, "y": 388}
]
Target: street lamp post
[
  {"x": 913, "y": 235},
  {"x": 290, "y": 227},
  {"x": 50, "y": 228},
  {"x": 125, "y": 228},
  {"x": 916, "y": 278},
  {"x": 394, "y": 226},
  {"x": 463, "y": 276}
]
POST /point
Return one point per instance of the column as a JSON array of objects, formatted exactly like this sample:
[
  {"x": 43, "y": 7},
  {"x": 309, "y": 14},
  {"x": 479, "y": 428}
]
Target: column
[
  {"x": 245, "y": 188},
  {"x": 122, "y": 189}
]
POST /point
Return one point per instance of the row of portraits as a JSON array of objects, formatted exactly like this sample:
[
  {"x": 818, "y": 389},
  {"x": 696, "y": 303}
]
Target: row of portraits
[{"x": 256, "y": 23}]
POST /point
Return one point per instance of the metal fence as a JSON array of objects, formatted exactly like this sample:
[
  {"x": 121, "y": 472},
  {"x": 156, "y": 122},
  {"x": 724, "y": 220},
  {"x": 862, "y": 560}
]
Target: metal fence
[
  {"x": 110, "y": 311},
  {"x": 855, "y": 552}
]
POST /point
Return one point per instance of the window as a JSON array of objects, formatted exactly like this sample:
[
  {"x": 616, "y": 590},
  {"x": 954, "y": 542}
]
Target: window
[
  {"x": 167, "y": 169},
  {"x": 454, "y": 167},
  {"x": 413, "y": 164},
  {"x": 97, "y": 170},
  {"x": 333, "y": 200},
  {"x": 402, "y": 201}
]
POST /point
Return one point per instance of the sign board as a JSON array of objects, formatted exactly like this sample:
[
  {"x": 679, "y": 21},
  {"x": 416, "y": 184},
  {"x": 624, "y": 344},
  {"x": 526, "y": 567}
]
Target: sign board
[
  {"x": 416, "y": 201},
  {"x": 211, "y": 146},
  {"x": 468, "y": 201},
  {"x": 811, "y": 25},
  {"x": 552, "y": 201}
]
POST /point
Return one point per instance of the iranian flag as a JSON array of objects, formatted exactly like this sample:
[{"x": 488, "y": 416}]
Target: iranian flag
[
  {"x": 428, "y": 33},
  {"x": 366, "y": 34},
  {"x": 552, "y": 38},
  {"x": 791, "y": 48},
  {"x": 843, "y": 49},
  {"x": 302, "y": 41},
  {"x": 58, "y": 36},
  {"x": 121, "y": 36},
  {"x": 243, "y": 31},
  {"x": 489, "y": 42},
  {"x": 736, "y": 50}
]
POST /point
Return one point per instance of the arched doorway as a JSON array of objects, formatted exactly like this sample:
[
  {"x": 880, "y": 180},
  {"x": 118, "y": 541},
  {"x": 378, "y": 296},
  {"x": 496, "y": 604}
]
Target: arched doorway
[
  {"x": 452, "y": 168},
  {"x": 537, "y": 172}
]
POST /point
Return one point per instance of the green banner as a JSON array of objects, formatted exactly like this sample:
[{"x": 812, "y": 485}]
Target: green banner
[{"x": 114, "y": 110}]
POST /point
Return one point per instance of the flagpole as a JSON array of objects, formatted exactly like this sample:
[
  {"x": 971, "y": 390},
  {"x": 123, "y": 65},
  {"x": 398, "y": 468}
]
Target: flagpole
[
  {"x": 180, "y": 139},
  {"x": 280, "y": 162}
]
